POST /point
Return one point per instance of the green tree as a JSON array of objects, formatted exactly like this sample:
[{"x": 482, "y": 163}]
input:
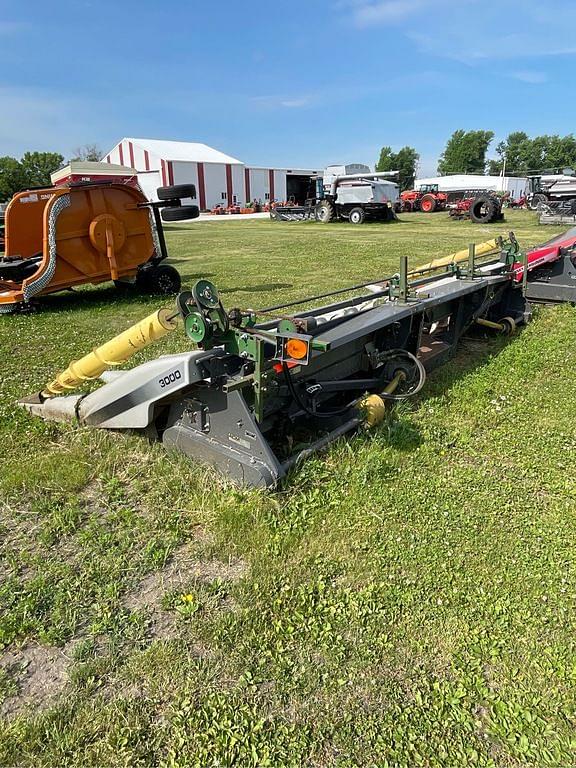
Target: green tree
[
  {"x": 514, "y": 151},
  {"x": 465, "y": 152},
  {"x": 37, "y": 167},
  {"x": 12, "y": 178},
  {"x": 90, "y": 152},
  {"x": 404, "y": 161},
  {"x": 560, "y": 152},
  {"x": 523, "y": 154}
]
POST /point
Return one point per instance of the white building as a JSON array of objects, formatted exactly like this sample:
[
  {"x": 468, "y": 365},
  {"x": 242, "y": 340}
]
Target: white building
[
  {"x": 219, "y": 179},
  {"x": 467, "y": 181}
]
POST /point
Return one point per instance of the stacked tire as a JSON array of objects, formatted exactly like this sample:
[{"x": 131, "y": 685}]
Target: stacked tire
[
  {"x": 486, "y": 209},
  {"x": 172, "y": 196},
  {"x": 154, "y": 277}
]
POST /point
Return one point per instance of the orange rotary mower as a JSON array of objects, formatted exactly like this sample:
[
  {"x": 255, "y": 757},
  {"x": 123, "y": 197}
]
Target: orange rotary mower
[{"x": 59, "y": 238}]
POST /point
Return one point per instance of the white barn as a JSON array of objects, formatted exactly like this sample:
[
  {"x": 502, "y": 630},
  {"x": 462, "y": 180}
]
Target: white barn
[{"x": 219, "y": 179}]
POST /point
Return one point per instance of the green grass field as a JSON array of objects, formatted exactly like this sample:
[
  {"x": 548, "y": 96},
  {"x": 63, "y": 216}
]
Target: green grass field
[{"x": 407, "y": 600}]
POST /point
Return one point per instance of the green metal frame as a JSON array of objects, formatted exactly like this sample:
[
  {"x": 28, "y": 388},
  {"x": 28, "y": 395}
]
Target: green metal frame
[{"x": 208, "y": 325}]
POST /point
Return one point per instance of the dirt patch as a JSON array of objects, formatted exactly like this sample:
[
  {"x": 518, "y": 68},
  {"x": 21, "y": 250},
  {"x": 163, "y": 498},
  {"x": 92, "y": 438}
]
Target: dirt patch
[
  {"x": 183, "y": 567},
  {"x": 40, "y": 674},
  {"x": 90, "y": 498}
]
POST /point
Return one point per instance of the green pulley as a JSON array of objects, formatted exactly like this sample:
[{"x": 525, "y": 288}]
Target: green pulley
[
  {"x": 287, "y": 326},
  {"x": 195, "y": 326},
  {"x": 206, "y": 294}
]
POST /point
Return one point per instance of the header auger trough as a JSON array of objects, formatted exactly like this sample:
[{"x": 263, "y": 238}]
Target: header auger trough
[
  {"x": 59, "y": 238},
  {"x": 264, "y": 389}
]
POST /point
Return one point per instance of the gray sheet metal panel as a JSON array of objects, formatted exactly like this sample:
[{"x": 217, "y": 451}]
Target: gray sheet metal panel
[
  {"x": 550, "y": 293},
  {"x": 390, "y": 312},
  {"x": 218, "y": 428},
  {"x": 128, "y": 401},
  {"x": 555, "y": 282}
]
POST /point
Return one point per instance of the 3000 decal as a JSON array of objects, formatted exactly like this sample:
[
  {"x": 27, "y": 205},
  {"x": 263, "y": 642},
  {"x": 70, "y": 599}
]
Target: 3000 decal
[{"x": 170, "y": 378}]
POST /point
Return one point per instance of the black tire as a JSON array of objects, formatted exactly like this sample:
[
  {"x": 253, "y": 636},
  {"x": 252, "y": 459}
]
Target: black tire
[
  {"x": 161, "y": 279},
  {"x": 176, "y": 192},
  {"x": 124, "y": 286},
  {"x": 407, "y": 206},
  {"x": 181, "y": 213},
  {"x": 324, "y": 212},
  {"x": 537, "y": 199},
  {"x": 428, "y": 204},
  {"x": 508, "y": 326},
  {"x": 573, "y": 207},
  {"x": 484, "y": 209},
  {"x": 356, "y": 216}
]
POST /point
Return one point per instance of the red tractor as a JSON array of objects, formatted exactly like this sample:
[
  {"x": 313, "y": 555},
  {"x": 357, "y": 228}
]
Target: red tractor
[{"x": 426, "y": 199}]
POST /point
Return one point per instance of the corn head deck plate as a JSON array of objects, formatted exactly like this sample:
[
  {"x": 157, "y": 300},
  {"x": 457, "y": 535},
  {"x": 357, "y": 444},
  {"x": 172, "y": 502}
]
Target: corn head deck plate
[{"x": 263, "y": 389}]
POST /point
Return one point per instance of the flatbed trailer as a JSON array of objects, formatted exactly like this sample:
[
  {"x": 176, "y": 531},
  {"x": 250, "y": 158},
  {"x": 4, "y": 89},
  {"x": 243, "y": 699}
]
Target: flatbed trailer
[{"x": 264, "y": 389}]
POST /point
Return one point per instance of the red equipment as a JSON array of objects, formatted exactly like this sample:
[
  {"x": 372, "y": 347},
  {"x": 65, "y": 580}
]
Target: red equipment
[
  {"x": 426, "y": 198},
  {"x": 546, "y": 253},
  {"x": 481, "y": 209},
  {"x": 461, "y": 209}
]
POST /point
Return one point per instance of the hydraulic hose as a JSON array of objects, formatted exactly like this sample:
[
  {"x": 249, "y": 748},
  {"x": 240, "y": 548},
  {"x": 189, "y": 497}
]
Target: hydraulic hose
[
  {"x": 388, "y": 393},
  {"x": 421, "y": 378},
  {"x": 297, "y": 399}
]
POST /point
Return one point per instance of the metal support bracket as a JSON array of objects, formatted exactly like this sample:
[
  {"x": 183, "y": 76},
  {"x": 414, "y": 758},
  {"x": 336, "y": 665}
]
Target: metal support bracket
[
  {"x": 469, "y": 273},
  {"x": 399, "y": 287}
]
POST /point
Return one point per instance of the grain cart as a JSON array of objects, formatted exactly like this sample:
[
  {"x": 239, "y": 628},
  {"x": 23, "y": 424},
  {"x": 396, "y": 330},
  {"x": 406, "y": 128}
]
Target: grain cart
[
  {"x": 349, "y": 192},
  {"x": 62, "y": 237},
  {"x": 263, "y": 389}
]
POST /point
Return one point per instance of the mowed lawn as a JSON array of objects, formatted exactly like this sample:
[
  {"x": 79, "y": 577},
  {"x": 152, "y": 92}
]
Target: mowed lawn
[{"x": 407, "y": 599}]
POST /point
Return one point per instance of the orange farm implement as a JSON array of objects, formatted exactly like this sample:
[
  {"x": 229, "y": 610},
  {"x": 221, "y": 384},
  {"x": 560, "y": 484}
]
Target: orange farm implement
[{"x": 59, "y": 238}]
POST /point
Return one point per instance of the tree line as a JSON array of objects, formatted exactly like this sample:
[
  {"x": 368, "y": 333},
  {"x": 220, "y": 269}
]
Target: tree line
[
  {"x": 34, "y": 169},
  {"x": 465, "y": 152}
]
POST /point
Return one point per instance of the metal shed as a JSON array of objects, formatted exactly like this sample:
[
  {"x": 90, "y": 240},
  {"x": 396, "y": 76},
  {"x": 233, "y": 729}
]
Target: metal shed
[{"x": 219, "y": 178}]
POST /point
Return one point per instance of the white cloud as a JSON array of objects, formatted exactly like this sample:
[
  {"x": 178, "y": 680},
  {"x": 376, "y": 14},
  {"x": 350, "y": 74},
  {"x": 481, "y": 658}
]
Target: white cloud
[
  {"x": 287, "y": 102},
  {"x": 366, "y": 13},
  {"x": 471, "y": 31},
  {"x": 295, "y": 103},
  {"x": 482, "y": 44},
  {"x": 529, "y": 76}
]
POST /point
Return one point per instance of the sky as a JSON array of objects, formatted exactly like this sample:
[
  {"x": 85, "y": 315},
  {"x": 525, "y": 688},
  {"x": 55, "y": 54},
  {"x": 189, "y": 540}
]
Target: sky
[{"x": 296, "y": 83}]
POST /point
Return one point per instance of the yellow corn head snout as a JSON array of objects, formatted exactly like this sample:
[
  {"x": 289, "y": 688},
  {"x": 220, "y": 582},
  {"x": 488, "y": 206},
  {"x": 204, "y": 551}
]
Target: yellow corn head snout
[
  {"x": 113, "y": 352},
  {"x": 482, "y": 249}
]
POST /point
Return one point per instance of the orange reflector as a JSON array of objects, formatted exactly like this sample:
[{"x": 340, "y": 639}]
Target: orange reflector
[{"x": 296, "y": 349}]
